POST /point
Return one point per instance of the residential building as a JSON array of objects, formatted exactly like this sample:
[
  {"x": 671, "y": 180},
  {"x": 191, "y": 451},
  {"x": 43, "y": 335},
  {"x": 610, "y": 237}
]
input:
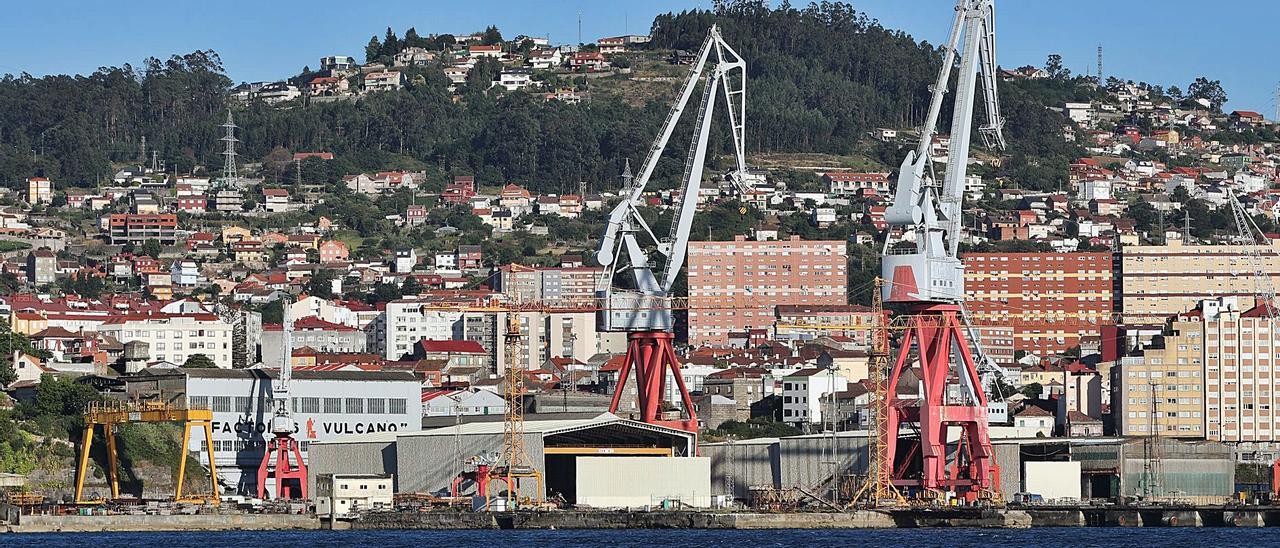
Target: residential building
[
  {"x": 338, "y": 63},
  {"x": 514, "y": 79},
  {"x": 275, "y": 200},
  {"x": 228, "y": 201},
  {"x": 124, "y": 228},
  {"x": 42, "y": 266},
  {"x": 808, "y": 394},
  {"x": 736, "y": 286},
  {"x": 39, "y": 191},
  {"x": 1160, "y": 281},
  {"x": 334, "y": 251},
  {"x": 853, "y": 184},
  {"x": 174, "y": 337},
  {"x": 389, "y": 80},
  {"x": 185, "y": 273},
  {"x": 800, "y": 323},
  {"x": 311, "y": 332},
  {"x": 1052, "y": 300},
  {"x": 542, "y": 283}
]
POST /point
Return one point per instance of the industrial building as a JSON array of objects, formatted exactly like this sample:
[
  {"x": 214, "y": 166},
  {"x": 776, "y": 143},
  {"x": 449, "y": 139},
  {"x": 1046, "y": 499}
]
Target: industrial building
[
  {"x": 1058, "y": 468},
  {"x": 658, "y": 461},
  {"x": 326, "y": 405}
]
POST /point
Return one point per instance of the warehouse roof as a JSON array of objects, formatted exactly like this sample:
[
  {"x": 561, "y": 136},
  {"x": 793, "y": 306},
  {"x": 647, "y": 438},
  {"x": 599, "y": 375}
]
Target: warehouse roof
[
  {"x": 544, "y": 427},
  {"x": 272, "y": 373}
]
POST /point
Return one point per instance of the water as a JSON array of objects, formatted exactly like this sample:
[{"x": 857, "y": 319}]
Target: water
[{"x": 648, "y": 538}]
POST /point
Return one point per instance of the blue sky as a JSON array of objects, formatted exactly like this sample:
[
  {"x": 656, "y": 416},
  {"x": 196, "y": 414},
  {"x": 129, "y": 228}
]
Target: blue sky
[{"x": 1160, "y": 41}]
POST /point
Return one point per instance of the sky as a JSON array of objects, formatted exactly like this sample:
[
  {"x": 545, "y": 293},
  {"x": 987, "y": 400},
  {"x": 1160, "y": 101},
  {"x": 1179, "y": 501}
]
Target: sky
[{"x": 1167, "y": 42}]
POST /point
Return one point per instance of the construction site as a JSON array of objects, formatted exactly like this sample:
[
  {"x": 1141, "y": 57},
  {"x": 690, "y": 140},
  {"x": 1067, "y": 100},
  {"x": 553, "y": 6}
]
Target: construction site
[{"x": 928, "y": 454}]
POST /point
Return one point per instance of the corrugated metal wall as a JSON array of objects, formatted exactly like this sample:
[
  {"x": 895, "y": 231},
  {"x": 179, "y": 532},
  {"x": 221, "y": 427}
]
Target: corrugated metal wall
[
  {"x": 350, "y": 458},
  {"x": 1202, "y": 477},
  {"x": 428, "y": 464},
  {"x": 807, "y": 461},
  {"x": 1009, "y": 459},
  {"x": 755, "y": 463}
]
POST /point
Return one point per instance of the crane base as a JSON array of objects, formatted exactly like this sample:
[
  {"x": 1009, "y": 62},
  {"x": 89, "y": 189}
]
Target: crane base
[
  {"x": 650, "y": 354},
  {"x": 276, "y": 464},
  {"x": 937, "y": 330}
]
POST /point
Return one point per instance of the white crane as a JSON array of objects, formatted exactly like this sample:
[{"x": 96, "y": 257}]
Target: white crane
[
  {"x": 647, "y": 307},
  {"x": 282, "y": 419},
  {"x": 644, "y": 311},
  {"x": 282, "y": 458},
  {"x": 932, "y": 272}
]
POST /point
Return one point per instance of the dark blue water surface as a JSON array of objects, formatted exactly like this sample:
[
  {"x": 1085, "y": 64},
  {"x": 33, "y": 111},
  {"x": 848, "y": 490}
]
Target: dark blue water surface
[{"x": 898, "y": 538}]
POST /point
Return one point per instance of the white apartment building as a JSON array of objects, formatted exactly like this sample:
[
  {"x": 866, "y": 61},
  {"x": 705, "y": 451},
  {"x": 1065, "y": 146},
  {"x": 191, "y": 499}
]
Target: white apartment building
[
  {"x": 175, "y": 337},
  {"x": 805, "y": 392}
]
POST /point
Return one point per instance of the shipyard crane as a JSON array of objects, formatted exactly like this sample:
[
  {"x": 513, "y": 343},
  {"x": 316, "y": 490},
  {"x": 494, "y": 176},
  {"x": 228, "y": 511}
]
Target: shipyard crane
[
  {"x": 644, "y": 309},
  {"x": 925, "y": 276},
  {"x": 282, "y": 458}
]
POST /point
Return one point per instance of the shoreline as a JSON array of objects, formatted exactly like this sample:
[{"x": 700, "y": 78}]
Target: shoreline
[{"x": 600, "y": 519}]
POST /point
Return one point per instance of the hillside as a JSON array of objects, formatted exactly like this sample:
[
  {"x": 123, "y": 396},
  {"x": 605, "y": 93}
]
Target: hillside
[{"x": 820, "y": 78}]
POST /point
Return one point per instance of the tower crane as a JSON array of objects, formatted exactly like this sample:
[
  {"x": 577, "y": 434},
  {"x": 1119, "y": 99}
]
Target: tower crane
[
  {"x": 644, "y": 308},
  {"x": 276, "y": 462},
  {"x": 927, "y": 277}
]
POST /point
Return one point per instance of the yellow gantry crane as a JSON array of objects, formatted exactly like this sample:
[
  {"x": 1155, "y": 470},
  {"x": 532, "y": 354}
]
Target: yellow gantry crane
[{"x": 110, "y": 413}]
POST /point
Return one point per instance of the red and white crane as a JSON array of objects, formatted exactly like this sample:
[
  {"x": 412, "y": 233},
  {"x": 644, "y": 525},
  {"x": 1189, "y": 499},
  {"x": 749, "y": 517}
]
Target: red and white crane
[
  {"x": 282, "y": 458},
  {"x": 924, "y": 274}
]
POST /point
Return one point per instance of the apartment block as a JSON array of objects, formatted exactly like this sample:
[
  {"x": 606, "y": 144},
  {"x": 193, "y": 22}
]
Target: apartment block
[
  {"x": 1160, "y": 281},
  {"x": 559, "y": 284},
  {"x": 1051, "y": 300},
  {"x": 137, "y": 229},
  {"x": 736, "y": 286},
  {"x": 800, "y": 322},
  {"x": 174, "y": 337}
]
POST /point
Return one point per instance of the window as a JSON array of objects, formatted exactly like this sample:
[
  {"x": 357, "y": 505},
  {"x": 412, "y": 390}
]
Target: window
[
  {"x": 243, "y": 405},
  {"x": 333, "y": 405},
  {"x": 377, "y": 406},
  {"x": 397, "y": 406},
  {"x": 355, "y": 405},
  {"x": 310, "y": 405},
  {"x": 222, "y": 404}
]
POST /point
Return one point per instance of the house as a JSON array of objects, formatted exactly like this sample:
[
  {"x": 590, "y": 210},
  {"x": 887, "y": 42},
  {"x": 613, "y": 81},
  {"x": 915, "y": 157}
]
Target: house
[
  {"x": 610, "y": 46},
  {"x": 185, "y": 273},
  {"x": 457, "y": 354},
  {"x": 415, "y": 215},
  {"x": 278, "y": 92},
  {"x": 588, "y": 61},
  {"x": 544, "y": 59},
  {"x": 468, "y": 402},
  {"x": 328, "y": 86},
  {"x": 28, "y": 369},
  {"x": 477, "y": 51},
  {"x": 470, "y": 257},
  {"x": 249, "y": 253},
  {"x": 333, "y": 251},
  {"x": 193, "y": 204},
  {"x": 460, "y": 191},
  {"x": 389, "y": 80},
  {"x": 849, "y": 183},
  {"x": 337, "y": 63},
  {"x": 406, "y": 261},
  {"x": 1034, "y": 420},
  {"x": 275, "y": 200},
  {"x": 413, "y": 56},
  {"x": 303, "y": 156},
  {"x": 514, "y": 79},
  {"x": 1242, "y": 119}
]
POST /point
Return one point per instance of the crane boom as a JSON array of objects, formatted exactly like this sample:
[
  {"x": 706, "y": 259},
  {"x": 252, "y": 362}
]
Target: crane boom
[
  {"x": 932, "y": 213},
  {"x": 634, "y": 310}
]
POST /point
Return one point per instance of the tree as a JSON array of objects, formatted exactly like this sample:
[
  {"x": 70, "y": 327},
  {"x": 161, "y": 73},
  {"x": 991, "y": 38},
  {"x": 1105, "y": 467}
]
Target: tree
[
  {"x": 1208, "y": 90},
  {"x": 273, "y": 312},
  {"x": 1000, "y": 389},
  {"x": 199, "y": 361},
  {"x": 491, "y": 36},
  {"x": 411, "y": 286},
  {"x": 373, "y": 50},
  {"x": 1032, "y": 391},
  {"x": 1053, "y": 66},
  {"x": 151, "y": 248},
  {"x": 1174, "y": 92},
  {"x": 321, "y": 283}
]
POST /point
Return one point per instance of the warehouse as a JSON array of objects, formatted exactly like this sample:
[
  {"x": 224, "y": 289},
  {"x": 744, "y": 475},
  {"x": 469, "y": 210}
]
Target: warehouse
[
  {"x": 583, "y": 460},
  {"x": 326, "y": 405}
]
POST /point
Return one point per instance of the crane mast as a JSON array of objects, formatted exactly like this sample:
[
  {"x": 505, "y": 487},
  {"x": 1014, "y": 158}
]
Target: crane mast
[
  {"x": 931, "y": 213},
  {"x": 923, "y": 273},
  {"x": 644, "y": 308},
  {"x": 282, "y": 455}
]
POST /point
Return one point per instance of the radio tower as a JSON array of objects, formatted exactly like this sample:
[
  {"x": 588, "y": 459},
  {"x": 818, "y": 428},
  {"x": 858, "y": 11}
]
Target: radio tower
[
  {"x": 1099, "y": 63},
  {"x": 229, "y": 152}
]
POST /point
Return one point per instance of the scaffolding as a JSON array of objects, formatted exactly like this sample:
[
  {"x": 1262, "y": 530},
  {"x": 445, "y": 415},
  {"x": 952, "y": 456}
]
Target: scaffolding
[{"x": 108, "y": 414}]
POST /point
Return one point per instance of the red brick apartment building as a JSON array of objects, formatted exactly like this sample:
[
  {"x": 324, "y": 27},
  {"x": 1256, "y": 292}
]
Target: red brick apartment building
[
  {"x": 1051, "y": 300},
  {"x": 735, "y": 286}
]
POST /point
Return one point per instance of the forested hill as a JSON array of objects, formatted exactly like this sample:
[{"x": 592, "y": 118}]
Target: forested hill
[{"x": 819, "y": 79}]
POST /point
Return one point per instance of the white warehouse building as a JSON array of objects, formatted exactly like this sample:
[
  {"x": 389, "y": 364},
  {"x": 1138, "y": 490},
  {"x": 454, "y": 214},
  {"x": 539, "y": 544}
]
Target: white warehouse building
[{"x": 326, "y": 405}]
